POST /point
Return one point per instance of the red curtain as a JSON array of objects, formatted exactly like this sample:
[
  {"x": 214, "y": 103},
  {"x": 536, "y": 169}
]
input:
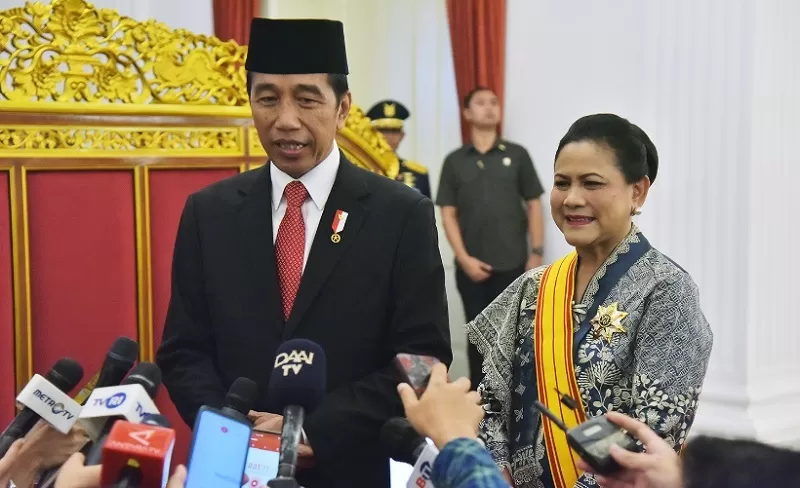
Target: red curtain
[
  {"x": 232, "y": 19},
  {"x": 478, "y": 38}
]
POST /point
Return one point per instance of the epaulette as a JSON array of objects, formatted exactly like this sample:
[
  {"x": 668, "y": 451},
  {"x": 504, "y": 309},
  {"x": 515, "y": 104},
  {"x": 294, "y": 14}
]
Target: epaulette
[{"x": 416, "y": 167}]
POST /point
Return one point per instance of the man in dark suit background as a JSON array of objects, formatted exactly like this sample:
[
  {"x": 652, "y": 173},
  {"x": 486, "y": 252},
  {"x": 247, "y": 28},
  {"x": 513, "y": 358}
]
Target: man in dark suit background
[{"x": 307, "y": 246}]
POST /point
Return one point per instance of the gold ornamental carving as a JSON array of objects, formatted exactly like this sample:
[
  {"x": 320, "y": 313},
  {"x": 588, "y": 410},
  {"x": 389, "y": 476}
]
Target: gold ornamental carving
[
  {"x": 54, "y": 56},
  {"x": 69, "y": 51},
  {"x": 51, "y": 141}
]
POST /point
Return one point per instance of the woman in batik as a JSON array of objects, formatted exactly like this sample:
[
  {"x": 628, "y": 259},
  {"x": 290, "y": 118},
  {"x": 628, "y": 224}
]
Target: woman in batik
[{"x": 614, "y": 325}]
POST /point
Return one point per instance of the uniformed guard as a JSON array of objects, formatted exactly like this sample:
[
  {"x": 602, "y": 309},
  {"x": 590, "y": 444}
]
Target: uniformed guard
[{"x": 388, "y": 118}]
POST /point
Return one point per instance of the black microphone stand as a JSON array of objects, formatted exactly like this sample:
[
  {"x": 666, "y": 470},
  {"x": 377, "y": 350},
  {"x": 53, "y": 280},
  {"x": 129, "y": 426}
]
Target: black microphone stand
[{"x": 290, "y": 439}]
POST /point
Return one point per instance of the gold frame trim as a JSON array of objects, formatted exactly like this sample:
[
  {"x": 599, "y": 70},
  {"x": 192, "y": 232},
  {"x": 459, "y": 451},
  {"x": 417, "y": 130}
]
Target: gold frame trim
[
  {"x": 143, "y": 325},
  {"x": 126, "y": 132},
  {"x": 235, "y": 112},
  {"x": 17, "y": 297}
]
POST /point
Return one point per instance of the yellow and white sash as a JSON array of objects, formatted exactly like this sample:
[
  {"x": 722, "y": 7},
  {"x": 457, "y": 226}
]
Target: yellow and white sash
[{"x": 555, "y": 371}]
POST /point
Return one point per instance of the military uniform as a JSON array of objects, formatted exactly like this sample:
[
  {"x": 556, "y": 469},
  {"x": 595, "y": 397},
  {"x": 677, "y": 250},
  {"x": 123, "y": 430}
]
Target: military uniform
[{"x": 389, "y": 115}]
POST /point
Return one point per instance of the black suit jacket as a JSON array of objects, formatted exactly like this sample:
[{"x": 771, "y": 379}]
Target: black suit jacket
[{"x": 378, "y": 292}]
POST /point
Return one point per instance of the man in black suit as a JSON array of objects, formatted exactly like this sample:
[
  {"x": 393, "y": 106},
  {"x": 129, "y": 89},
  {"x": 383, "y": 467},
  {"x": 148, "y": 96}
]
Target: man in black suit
[{"x": 307, "y": 246}]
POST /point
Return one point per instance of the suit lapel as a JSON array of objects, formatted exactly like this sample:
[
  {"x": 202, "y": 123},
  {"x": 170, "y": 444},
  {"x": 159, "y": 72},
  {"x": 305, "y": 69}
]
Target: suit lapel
[
  {"x": 255, "y": 222},
  {"x": 349, "y": 189}
]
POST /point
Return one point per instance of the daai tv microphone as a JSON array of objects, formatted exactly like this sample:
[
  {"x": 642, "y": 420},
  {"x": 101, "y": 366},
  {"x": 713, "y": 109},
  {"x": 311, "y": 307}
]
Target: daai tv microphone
[
  {"x": 405, "y": 445},
  {"x": 138, "y": 455},
  {"x": 296, "y": 387},
  {"x": 129, "y": 401},
  {"x": 46, "y": 397}
]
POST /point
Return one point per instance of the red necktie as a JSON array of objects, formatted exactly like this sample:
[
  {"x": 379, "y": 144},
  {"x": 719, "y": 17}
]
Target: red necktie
[{"x": 290, "y": 245}]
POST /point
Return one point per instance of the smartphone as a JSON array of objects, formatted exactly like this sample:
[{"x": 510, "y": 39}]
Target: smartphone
[
  {"x": 262, "y": 459},
  {"x": 416, "y": 369},
  {"x": 219, "y": 450}
]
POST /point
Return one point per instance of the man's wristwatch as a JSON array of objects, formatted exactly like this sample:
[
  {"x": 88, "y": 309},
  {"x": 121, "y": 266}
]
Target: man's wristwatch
[{"x": 539, "y": 251}]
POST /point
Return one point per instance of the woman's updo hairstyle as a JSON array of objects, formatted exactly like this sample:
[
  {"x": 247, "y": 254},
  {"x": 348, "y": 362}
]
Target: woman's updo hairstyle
[{"x": 636, "y": 154}]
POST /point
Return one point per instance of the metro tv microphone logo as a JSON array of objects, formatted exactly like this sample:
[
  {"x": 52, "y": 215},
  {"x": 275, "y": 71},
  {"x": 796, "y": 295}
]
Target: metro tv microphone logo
[
  {"x": 294, "y": 361},
  {"x": 57, "y": 408}
]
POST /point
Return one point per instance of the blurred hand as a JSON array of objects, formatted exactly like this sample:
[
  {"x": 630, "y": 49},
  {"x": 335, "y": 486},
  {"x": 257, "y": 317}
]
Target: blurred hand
[
  {"x": 8, "y": 462},
  {"x": 476, "y": 269},
  {"x": 658, "y": 467},
  {"x": 533, "y": 262},
  {"x": 271, "y": 422},
  {"x": 178, "y": 478},
  {"x": 445, "y": 411},
  {"x": 50, "y": 448},
  {"x": 74, "y": 474}
]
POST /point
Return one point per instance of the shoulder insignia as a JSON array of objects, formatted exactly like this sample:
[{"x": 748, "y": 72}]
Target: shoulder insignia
[{"x": 416, "y": 167}]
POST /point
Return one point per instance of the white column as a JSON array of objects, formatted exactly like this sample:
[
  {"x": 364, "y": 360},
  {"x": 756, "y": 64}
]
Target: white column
[{"x": 713, "y": 83}]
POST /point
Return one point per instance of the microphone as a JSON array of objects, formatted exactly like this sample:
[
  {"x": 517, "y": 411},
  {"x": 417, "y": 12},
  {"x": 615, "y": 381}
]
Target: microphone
[
  {"x": 405, "y": 445},
  {"x": 138, "y": 455},
  {"x": 119, "y": 360},
  {"x": 297, "y": 386},
  {"x": 240, "y": 398},
  {"x": 130, "y": 401},
  {"x": 46, "y": 398}
]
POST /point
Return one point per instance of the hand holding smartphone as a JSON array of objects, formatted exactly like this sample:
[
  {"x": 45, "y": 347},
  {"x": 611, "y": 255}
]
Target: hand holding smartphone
[{"x": 415, "y": 369}]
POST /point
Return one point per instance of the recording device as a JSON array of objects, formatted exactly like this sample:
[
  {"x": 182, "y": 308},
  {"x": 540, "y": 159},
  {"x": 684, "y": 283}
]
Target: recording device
[
  {"x": 138, "y": 455},
  {"x": 129, "y": 401},
  {"x": 592, "y": 439},
  {"x": 119, "y": 360},
  {"x": 219, "y": 449},
  {"x": 240, "y": 398},
  {"x": 405, "y": 445},
  {"x": 46, "y": 398},
  {"x": 262, "y": 458},
  {"x": 415, "y": 369},
  {"x": 297, "y": 386}
]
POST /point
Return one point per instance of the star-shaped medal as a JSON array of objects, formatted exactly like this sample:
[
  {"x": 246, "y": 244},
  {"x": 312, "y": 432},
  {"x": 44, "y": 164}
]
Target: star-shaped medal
[{"x": 608, "y": 321}]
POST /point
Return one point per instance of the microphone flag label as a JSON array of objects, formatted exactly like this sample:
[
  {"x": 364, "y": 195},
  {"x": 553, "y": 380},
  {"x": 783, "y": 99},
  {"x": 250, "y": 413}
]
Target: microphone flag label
[
  {"x": 148, "y": 447},
  {"x": 421, "y": 476},
  {"x": 53, "y": 405},
  {"x": 130, "y": 402}
]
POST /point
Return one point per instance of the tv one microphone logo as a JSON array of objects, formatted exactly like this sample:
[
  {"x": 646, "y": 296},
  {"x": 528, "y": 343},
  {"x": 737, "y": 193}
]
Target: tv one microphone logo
[
  {"x": 56, "y": 407},
  {"x": 424, "y": 478},
  {"x": 294, "y": 361}
]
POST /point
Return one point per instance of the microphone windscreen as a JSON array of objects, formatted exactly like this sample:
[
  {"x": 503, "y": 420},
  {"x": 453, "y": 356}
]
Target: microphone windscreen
[
  {"x": 156, "y": 419},
  {"x": 123, "y": 352},
  {"x": 299, "y": 376},
  {"x": 146, "y": 374},
  {"x": 65, "y": 374},
  {"x": 400, "y": 440},
  {"x": 242, "y": 395}
]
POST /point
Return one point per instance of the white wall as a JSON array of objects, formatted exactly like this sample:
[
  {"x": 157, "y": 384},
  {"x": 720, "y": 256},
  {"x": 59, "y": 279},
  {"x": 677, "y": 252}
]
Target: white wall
[
  {"x": 195, "y": 15},
  {"x": 401, "y": 50},
  {"x": 713, "y": 82}
]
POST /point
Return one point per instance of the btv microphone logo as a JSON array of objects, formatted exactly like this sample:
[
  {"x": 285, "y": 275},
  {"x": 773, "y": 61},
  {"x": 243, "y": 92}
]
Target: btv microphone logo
[
  {"x": 56, "y": 408},
  {"x": 293, "y": 361}
]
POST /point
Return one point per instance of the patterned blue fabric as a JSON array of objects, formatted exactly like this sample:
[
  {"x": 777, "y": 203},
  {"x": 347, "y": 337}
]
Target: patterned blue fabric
[
  {"x": 464, "y": 463},
  {"x": 652, "y": 370}
]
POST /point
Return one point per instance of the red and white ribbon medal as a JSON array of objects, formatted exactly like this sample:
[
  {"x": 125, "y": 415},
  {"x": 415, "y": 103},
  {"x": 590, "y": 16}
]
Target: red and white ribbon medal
[{"x": 339, "y": 220}]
